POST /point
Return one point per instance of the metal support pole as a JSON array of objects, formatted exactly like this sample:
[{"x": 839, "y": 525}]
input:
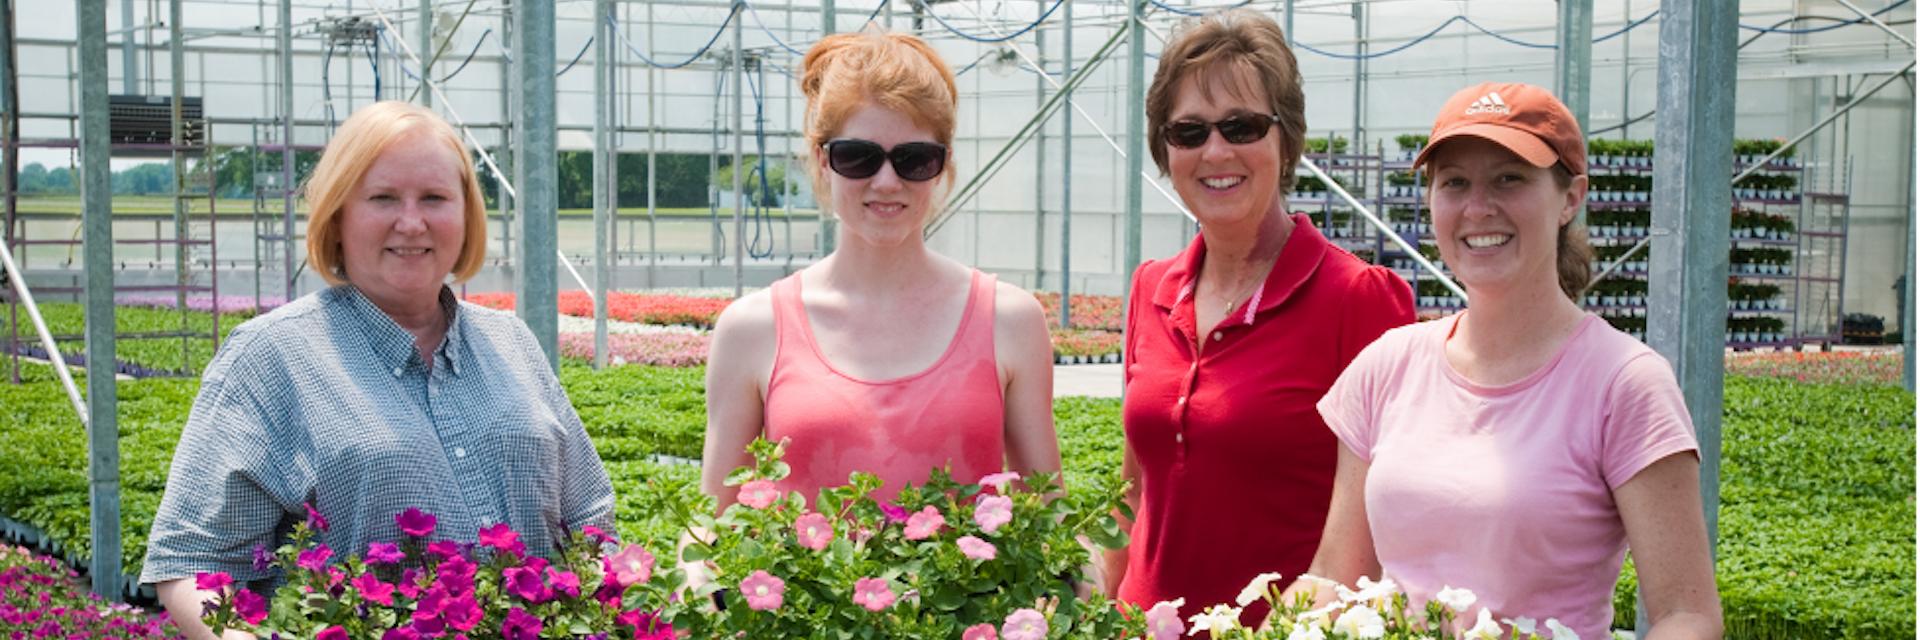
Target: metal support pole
[
  {"x": 285, "y": 41},
  {"x": 96, "y": 197},
  {"x": 177, "y": 80},
  {"x": 1693, "y": 154},
  {"x": 1573, "y": 65},
  {"x": 1066, "y": 180},
  {"x": 1287, "y": 23},
  {"x": 10, "y": 147},
  {"x": 1359, "y": 80},
  {"x": 507, "y": 157},
  {"x": 653, "y": 146},
  {"x": 129, "y": 62},
  {"x": 739, "y": 164},
  {"x": 538, "y": 177},
  {"x": 1039, "y": 156},
  {"x": 1136, "y": 130},
  {"x": 426, "y": 45},
  {"x": 1906, "y": 290},
  {"x": 604, "y": 199},
  {"x": 828, "y": 223}
]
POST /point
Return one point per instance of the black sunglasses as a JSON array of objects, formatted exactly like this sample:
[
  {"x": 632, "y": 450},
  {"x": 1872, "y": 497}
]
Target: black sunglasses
[
  {"x": 860, "y": 159},
  {"x": 1237, "y": 129}
]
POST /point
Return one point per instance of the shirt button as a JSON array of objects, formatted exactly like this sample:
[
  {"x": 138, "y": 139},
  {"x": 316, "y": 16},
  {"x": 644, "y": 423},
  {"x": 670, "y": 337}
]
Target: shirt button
[
  {"x": 459, "y": 452},
  {"x": 1218, "y": 335},
  {"x": 400, "y": 370},
  {"x": 1182, "y": 401},
  {"x": 1179, "y": 438}
]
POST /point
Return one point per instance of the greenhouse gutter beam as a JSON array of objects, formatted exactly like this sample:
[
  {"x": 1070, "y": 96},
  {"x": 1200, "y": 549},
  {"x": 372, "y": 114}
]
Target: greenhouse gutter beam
[
  {"x": 533, "y": 58},
  {"x": 1573, "y": 67},
  {"x": 1687, "y": 309},
  {"x": 96, "y": 196}
]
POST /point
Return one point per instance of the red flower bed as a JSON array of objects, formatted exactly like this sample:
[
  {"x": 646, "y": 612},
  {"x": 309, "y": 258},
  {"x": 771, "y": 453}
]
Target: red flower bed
[
  {"x": 653, "y": 349},
  {"x": 1845, "y": 367},
  {"x": 1089, "y": 311},
  {"x": 627, "y": 307},
  {"x": 1085, "y": 342}
]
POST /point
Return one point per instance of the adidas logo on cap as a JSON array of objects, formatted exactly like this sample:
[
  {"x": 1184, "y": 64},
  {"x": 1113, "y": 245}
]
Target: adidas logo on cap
[{"x": 1490, "y": 103}]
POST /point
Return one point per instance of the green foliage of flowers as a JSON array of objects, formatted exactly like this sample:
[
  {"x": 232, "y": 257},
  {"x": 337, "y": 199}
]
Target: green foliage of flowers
[{"x": 158, "y": 354}]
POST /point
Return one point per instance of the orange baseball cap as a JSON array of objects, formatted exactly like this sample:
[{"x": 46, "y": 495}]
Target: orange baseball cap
[{"x": 1527, "y": 120}]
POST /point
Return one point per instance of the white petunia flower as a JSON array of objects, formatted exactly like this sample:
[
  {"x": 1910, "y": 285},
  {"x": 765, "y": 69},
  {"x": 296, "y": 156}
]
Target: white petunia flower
[
  {"x": 1361, "y": 622},
  {"x": 1369, "y": 590},
  {"x": 1306, "y": 632},
  {"x": 1321, "y": 618},
  {"x": 1456, "y": 599},
  {"x": 1522, "y": 624},
  {"x": 1560, "y": 631},
  {"x": 1257, "y": 589},
  {"x": 1218, "y": 619},
  {"x": 1484, "y": 628}
]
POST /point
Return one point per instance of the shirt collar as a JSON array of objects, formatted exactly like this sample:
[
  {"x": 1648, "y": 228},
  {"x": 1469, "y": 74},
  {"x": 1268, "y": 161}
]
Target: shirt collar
[
  {"x": 1298, "y": 260},
  {"x": 392, "y": 344}
]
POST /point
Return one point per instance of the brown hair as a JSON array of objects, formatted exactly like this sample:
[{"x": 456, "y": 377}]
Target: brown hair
[
  {"x": 1573, "y": 256},
  {"x": 844, "y": 72},
  {"x": 1236, "y": 40},
  {"x": 361, "y": 139}
]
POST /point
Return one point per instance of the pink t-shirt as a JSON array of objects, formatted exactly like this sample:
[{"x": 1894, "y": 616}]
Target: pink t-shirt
[{"x": 1507, "y": 491}]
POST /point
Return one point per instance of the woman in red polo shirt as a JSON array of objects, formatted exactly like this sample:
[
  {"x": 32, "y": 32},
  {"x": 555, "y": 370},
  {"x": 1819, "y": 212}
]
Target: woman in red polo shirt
[{"x": 1231, "y": 342}]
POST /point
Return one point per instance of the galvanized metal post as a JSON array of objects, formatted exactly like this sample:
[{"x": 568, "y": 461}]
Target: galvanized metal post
[
  {"x": 1907, "y": 321},
  {"x": 285, "y": 42},
  {"x": 96, "y": 198},
  {"x": 426, "y": 52},
  {"x": 828, "y": 224},
  {"x": 507, "y": 154},
  {"x": 603, "y": 186},
  {"x": 538, "y": 177},
  {"x": 1039, "y": 155},
  {"x": 177, "y": 80},
  {"x": 129, "y": 61},
  {"x": 1066, "y": 179},
  {"x": 1573, "y": 64},
  {"x": 653, "y": 146},
  {"x": 1136, "y": 129},
  {"x": 739, "y": 164},
  {"x": 1693, "y": 155}
]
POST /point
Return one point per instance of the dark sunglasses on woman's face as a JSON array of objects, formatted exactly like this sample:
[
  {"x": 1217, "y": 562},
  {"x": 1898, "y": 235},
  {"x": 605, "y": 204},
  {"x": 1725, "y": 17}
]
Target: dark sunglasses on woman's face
[
  {"x": 860, "y": 159},
  {"x": 1237, "y": 129}
]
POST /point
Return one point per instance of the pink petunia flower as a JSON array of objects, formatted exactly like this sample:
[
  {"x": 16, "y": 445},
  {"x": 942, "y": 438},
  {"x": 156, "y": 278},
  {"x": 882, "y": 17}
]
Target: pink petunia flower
[
  {"x": 216, "y": 581},
  {"x": 520, "y": 625},
  {"x": 384, "y": 553},
  {"x": 631, "y": 566},
  {"x": 999, "y": 481},
  {"x": 331, "y": 633},
  {"x": 924, "y": 524},
  {"x": 315, "y": 559},
  {"x": 1163, "y": 620},
  {"x": 763, "y": 591},
  {"x": 371, "y": 588},
  {"x": 503, "y": 538},
  {"x": 992, "y": 512},
  {"x": 814, "y": 531},
  {"x": 872, "y": 593},
  {"x": 251, "y": 607},
  {"x": 1024, "y": 624},
  {"x": 415, "y": 522},
  {"x": 758, "y": 494},
  {"x": 976, "y": 548},
  {"x": 982, "y": 631}
]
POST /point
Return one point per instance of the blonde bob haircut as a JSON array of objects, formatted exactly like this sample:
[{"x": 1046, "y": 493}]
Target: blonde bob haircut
[
  {"x": 1232, "y": 48},
  {"x": 845, "y": 72},
  {"x": 361, "y": 140}
]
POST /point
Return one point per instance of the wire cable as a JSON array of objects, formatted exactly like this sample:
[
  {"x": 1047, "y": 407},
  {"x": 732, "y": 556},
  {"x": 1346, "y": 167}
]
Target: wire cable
[
  {"x": 576, "y": 57},
  {"x": 731, "y": 15},
  {"x": 1844, "y": 24},
  {"x": 993, "y": 39},
  {"x": 761, "y": 219},
  {"x": 763, "y": 28},
  {"x": 470, "y": 55},
  {"x": 1198, "y": 11}
]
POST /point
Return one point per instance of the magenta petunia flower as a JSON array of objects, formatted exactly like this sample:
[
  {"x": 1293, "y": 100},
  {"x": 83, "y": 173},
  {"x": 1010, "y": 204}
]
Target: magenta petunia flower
[
  {"x": 251, "y": 607},
  {"x": 1024, "y": 624},
  {"x": 521, "y": 625},
  {"x": 315, "y": 559},
  {"x": 631, "y": 566},
  {"x": 982, "y": 631},
  {"x": 456, "y": 575},
  {"x": 262, "y": 558},
  {"x": 430, "y": 606},
  {"x": 504, "y": 538},
  {"x": 758, "y": 494},
  {"x": 872, "y": 593},
  {"x": 976, "y": 548},
  {"x": 763, "y": 591},
  {"x": 814, "y": 531},
  {"x": 415, "y": 522},
  {"x": 446, "y": 549},
  {"x": 895, "y": 513},
  {"x": 992, "y": 512},
  {"x": 331, "y": 633},
  {"x": 462, "y": 612},
  {"x": 595, "y": 534},
  {"x": 371, "y": 588},
  {"x": 409, "y": 584},
  {"x": 314, "y": 520},
  {"x": 402, "y": 633},
  {"x": 565, "y": 582},
  {"x": 924, "y": 524},
  {"x": 526, "y": 584},
  {"x": 384, "y": 553},
  {"x": 216, "y": 581}
]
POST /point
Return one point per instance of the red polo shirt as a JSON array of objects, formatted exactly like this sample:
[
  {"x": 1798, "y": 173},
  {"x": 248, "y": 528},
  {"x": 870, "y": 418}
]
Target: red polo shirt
[{"x": 1236, "y": 466}]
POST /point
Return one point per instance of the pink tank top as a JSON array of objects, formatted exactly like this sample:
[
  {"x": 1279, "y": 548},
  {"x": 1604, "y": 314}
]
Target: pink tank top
[{"x": 949, "y": 415}]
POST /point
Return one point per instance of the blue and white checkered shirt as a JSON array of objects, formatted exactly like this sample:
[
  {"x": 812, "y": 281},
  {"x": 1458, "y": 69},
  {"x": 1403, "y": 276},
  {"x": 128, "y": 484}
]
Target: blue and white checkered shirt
[{"x": 326, "y": 400}]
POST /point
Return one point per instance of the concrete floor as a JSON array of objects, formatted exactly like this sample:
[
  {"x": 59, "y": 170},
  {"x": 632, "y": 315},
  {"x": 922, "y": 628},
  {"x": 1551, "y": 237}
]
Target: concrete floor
[{"x": 1093, "y": 380}]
